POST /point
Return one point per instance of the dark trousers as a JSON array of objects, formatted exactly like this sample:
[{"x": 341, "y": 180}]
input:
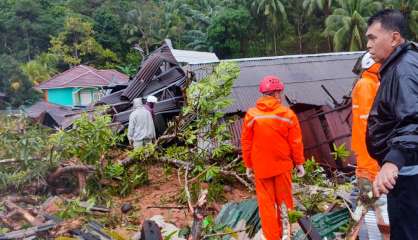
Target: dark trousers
[{"x": 403, "y": 209}]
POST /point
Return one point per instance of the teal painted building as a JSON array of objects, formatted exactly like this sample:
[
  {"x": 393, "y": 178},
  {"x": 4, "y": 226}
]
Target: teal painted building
[
  {"x": 72, "y": 96},
  {"x": 80, "y": 86}
]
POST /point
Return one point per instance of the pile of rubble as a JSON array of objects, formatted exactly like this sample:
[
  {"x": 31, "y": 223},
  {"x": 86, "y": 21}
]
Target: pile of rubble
[{"x": 159, "y": 75}]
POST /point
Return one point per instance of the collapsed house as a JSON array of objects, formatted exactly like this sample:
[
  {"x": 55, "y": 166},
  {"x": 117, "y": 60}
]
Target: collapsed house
[
  {"x": 159, "y": 75},
  {"x": 317, "y": 88}
]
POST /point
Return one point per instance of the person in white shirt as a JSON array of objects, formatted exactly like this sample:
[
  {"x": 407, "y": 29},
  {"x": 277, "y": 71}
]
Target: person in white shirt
[{"x": 141, "y": 130}]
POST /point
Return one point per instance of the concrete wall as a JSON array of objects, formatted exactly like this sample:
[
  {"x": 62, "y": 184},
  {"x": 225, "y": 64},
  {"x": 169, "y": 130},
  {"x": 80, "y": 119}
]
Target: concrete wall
[{"x": 62, "y": 96}]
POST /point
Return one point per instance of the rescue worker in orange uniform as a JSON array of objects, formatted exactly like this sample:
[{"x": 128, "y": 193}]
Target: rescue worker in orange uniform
[
  {"x": 363, "y": 96},
  {"x": 271, "y": 147},
  {"x": 367, "y": 169}
]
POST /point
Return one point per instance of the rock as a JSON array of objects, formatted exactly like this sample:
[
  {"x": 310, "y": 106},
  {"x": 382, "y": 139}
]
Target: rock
[{"x": 126, "y": 207}]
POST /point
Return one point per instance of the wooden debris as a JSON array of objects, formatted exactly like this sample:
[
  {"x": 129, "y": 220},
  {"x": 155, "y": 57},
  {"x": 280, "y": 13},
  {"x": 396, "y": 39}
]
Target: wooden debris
[
  {"x": 94, "y": 208},
  {"x": 168, "y": 207},
  {"x": 240, "y": 179},
  {"x": 79, "y": 171},
  {"x": 25, "y": 233},
  {"x": 64, "y": 227},
  {"x": 69, "y": 169},
  {"x": 14, "y": 208},
  {"x": 5, "y": 219}
]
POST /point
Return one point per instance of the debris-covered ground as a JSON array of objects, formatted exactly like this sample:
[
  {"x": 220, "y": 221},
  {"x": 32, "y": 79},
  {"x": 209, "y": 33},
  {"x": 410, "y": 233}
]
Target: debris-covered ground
[
  {"x": 84, "y": 182},
  {"x": 116, "y": 189}
]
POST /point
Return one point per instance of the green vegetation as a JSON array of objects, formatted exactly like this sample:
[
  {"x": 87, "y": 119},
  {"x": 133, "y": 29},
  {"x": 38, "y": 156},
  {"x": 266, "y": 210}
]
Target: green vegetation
[
  {"x": 26, "y": 147},
  {"x": 44, "y": 37},
  {"x": 340, "y": 152},
  {"x": 314, "y": 175},
  {"x": 88, "y": 140}
]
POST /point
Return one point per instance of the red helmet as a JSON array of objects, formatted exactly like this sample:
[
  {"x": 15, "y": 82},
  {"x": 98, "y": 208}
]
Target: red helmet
[{"x": 271, "y": 83}]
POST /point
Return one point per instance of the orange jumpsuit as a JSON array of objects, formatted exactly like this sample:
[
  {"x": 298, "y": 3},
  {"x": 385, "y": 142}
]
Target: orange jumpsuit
[
  {"x": 271, "y": 145},
  {"x": 362, "y": 100}
]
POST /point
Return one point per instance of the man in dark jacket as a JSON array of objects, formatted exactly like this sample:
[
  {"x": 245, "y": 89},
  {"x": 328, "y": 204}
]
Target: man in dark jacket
[{"x": 392, "y": 131}]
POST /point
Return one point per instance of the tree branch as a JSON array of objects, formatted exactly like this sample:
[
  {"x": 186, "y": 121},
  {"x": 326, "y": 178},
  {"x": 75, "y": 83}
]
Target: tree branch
[
  {"x": 240, "y": 179},
  {"x": 186, "y": 190}
]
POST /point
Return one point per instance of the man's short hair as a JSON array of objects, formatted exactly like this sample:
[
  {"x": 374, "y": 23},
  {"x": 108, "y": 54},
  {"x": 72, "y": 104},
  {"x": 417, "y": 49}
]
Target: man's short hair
[{"x": 390, "y": 19}]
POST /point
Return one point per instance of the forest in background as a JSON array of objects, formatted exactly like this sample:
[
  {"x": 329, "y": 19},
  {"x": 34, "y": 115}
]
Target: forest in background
[{"x": 40, "y": 38}]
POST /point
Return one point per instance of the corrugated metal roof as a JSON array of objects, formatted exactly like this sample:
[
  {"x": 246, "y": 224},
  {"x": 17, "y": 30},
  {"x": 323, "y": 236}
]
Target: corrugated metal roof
[
  {"x": 305, "y": 77},
  {"x": 233, "y": 213},
  {"x": 194, "y": 57},
  {"x": 38, "y": 108},
  {"x": 85, "y": 76},
  {"x": 154, "y": 64}
]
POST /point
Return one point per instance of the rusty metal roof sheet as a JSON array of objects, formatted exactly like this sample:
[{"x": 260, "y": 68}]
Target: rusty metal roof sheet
[
  {"x": 315, "y": 79},
  {"x": 152, "y": 66}
]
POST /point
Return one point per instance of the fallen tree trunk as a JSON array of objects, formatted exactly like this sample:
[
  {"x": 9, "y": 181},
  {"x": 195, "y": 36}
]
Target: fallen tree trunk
[{"x": 70, "y": 169}]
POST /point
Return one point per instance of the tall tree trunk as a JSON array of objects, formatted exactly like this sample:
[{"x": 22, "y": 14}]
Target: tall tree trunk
[
  {"x": 242, "y": 47},
  {"x": 28, "y": 45},
  {"x": 266, "y": 44},
  {"x": 330, "y": 47},
  {"x": 300, "y": 36},
  {"x": 275, "y": 43}
]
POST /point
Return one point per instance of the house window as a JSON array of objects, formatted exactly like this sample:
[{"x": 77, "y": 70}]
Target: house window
[{"x": 85, "y": 97}]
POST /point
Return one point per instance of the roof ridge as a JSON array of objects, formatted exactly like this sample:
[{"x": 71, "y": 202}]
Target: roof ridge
[
  {"x": 100, "y": 76},
  {"x": 293, "y": 56},
  {"x": 89, "y": 70},
  {"x": 57, "y": 75},
  {"x": 113, "y": 70}
]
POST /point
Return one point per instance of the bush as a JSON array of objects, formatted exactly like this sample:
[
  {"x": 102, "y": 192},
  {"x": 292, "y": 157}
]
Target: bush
[
  {"x": 89, "y": 139},
  {"x": 314, "y": 175},
  {"x": 27, "y": 145}
]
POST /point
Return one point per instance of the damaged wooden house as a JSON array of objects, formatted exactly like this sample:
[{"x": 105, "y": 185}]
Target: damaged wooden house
[{"x": 317, "y": 88}]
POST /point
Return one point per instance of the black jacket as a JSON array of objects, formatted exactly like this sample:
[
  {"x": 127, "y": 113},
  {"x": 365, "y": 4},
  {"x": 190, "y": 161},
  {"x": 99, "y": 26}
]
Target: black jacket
[{"x": 392, "y": 131}]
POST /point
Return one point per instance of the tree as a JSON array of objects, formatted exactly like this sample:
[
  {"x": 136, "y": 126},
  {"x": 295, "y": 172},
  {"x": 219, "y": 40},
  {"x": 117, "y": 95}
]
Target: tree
[
  {"x": 107, "y": 27},
  {"x": 324, "y": 6},
  {"x": 42, "y": 68},
  {"x": 198, "y": 18},
  {"x": 409, "y": 8},
  {"x": 229, "y": 32},
  {"x": 76, "y": 44},
  {"x": 348, "y": 23},
  {"x": 14, "y": 84},
  {"x": 273, "y": 12},
  {"x": 23, "y": 28},
  {"x": 148, "y": 24},
  {"x": 298, "y": 18},
  {"x": 321, "y": 8}
]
